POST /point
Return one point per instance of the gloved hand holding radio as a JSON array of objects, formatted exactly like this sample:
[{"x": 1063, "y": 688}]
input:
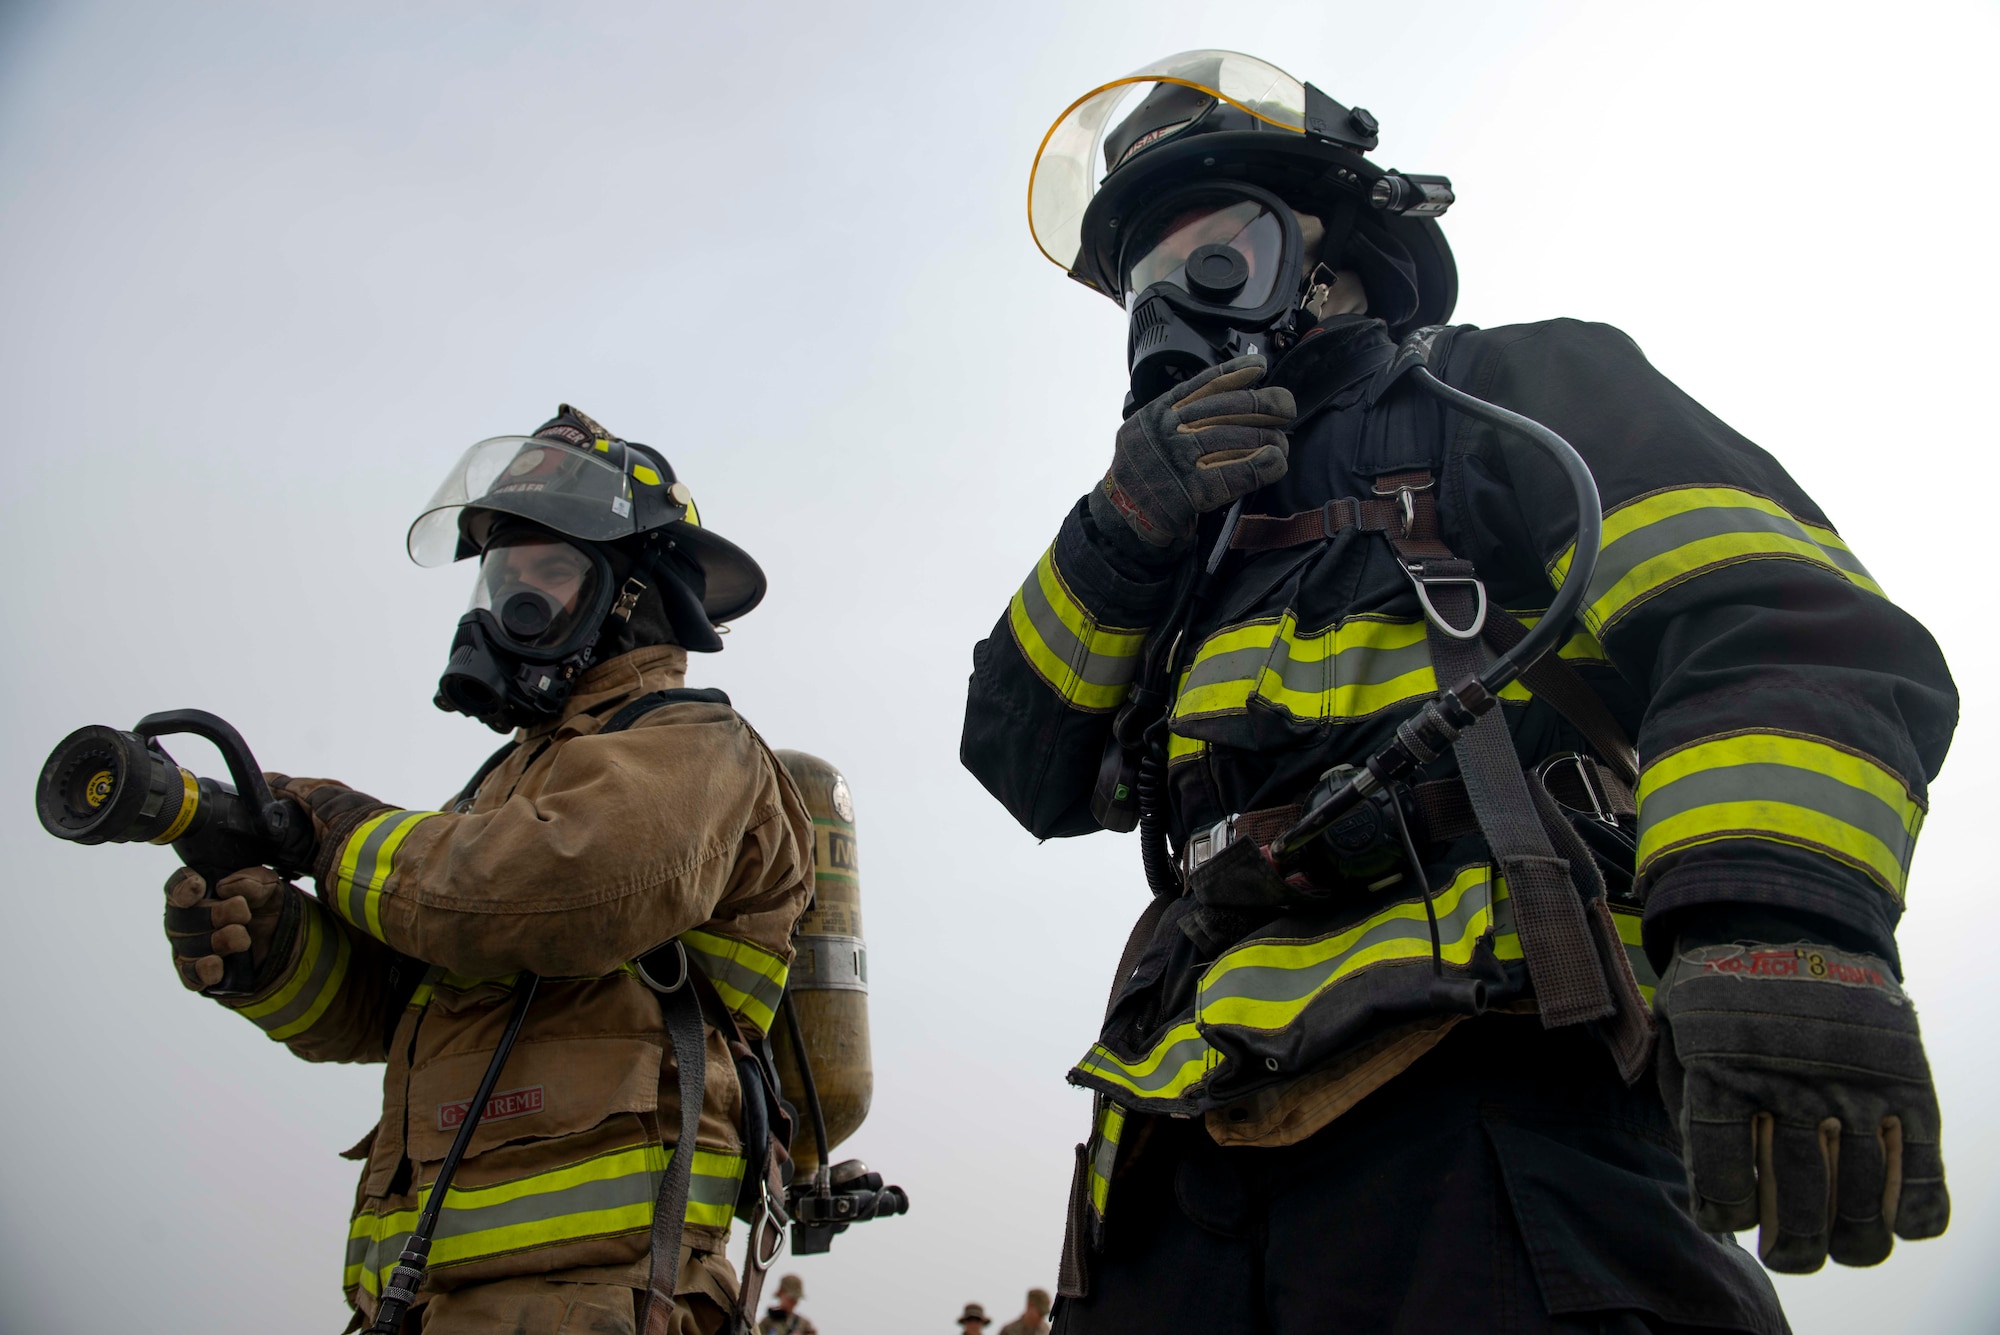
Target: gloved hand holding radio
[
  {"x": 1212, "y": 438},
  {"x": 1797, "y": 1077},
  {"x": 253, "y": 910}
]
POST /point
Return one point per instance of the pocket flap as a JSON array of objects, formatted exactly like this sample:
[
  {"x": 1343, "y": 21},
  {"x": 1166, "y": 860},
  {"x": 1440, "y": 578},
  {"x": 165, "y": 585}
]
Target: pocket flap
[
  {"x": 1603, "y": 1211},
  {"x": 554, "y": 1087}
]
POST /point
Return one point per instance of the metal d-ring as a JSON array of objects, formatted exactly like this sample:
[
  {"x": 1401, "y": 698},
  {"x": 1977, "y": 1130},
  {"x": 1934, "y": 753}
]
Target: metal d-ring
[
  {"x": 1415, "y": 571},
  {"x": 664, "y": 989},
  {"x": 769, "y": 1220}
]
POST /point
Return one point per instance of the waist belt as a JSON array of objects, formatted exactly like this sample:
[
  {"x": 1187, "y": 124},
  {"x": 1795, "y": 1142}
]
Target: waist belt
[{"x": 1442, "y": 810}]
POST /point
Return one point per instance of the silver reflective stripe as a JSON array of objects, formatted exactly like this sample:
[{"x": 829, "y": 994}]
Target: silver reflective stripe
[
  {"x": 325, "y": 950},
  {"x": 732, "y": 977},
  {"x": 1625, "y": 554},
  {"x": 1269, "y": 983},
  {"x": 1095, "y": 669},
  {"x": 1165, "y": 1079},
  {"x": 1362, "y": 665},
  {"x": 1789, "y": 784}
]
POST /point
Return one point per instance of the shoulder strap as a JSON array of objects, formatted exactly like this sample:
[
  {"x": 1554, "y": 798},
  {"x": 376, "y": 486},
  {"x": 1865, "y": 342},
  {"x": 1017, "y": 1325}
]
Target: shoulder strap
[
  {"x": 681, "y": 1009},
  {"x": 631, "y": 713},
  {"x": 1555, "y": 681}
]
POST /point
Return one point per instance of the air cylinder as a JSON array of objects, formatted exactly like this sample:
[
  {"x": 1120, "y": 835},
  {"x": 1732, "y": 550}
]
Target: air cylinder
[{"x": 828, "y": 988}]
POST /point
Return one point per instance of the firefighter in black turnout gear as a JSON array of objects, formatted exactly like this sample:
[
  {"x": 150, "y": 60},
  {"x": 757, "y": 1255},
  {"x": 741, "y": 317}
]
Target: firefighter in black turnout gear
[{"x": 1517, "y": 1043}]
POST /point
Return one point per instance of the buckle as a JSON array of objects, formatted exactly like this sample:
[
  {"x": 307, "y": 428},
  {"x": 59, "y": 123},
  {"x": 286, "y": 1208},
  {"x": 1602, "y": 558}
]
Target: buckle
[
  {"x": 1205, "y": 844},
  {"x": 1415, "y": 570},
  {"x": 1406, "y": 493},
  {"x": 1593, "y": 787}
]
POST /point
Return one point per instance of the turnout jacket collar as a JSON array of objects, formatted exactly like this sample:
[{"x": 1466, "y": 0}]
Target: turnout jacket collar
[{"x": 599, "y": 692}]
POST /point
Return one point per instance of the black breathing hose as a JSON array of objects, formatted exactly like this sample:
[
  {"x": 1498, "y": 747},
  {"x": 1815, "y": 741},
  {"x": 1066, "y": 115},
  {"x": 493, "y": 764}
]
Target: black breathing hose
[
  {"x": 1547, "y": 633},
  {"x": 401, "y": 1289},
  {"x": 1439, "y": 723}
]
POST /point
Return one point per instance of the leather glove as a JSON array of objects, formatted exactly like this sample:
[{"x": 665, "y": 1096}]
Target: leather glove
[
  {"x": 334, "y": 810},
  {"x": 1196, "y": 448},
  {"x": 255, "y": 909},
  {"x": 1805, "y": 1105}
]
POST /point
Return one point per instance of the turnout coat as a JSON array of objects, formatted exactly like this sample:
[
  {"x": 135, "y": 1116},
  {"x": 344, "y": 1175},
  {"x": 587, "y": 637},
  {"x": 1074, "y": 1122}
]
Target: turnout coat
[
  {"x": 576, "y": 854},
  {"x": 1787, "y": 714}
]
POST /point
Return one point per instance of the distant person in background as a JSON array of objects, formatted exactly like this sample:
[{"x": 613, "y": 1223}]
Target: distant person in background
[
  {"x": 783, "y": 1317},
  {"x": 1034, "y": 1321},
  {"x": 973, "y": 1320}
]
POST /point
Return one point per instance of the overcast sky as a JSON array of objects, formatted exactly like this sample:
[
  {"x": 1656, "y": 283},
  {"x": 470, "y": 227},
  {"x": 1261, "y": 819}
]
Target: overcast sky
[{"x": 265, "y": 270}]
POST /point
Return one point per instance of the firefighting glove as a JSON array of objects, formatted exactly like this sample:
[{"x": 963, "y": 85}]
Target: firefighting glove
[
  {"x": 1805, "y": 1106},
  {"x": 254, "y": 909},
  {"x": 1196, "y": 448},
  {"x": 334, "y": 809}
]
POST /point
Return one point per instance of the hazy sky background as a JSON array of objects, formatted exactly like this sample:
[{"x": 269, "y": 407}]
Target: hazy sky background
[{"x": 265, "y": 270}]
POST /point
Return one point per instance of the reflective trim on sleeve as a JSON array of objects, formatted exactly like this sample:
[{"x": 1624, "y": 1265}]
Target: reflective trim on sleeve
[
  {"x": 1665, "y": 538},
  {"x": 1267, "y": 984},
  {"x": 1181, "y": 748},
  {"x": 1103, "y": 1153},
  {"x": 1786, "y": 787},
  {"x": 749, "y": 979},
  {"x": 1628, "y": 922},
  {"x": 364, "y": 864},
  {"x": 599, "y": 1197},
  {"x": 1089, "y": 665},
  {"x": 314, "y": 981}
]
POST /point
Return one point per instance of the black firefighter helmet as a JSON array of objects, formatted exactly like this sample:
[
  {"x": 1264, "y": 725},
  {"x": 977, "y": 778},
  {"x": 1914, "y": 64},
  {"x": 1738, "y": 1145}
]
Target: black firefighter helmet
[
  {"x": 588, "y": 544},
  {"x": 1230, "y": 192}
]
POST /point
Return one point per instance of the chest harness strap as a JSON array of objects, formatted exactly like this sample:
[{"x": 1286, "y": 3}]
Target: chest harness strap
[{"x": 1570, "y": 943}]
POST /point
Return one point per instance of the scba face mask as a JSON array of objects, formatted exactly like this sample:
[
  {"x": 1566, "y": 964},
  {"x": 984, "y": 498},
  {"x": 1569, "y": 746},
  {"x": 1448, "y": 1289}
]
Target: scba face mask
[
  {"x": 1208, "y": 273},
  {"x": 1224, "y": 204},
  {"x": 537, "y": 609}
]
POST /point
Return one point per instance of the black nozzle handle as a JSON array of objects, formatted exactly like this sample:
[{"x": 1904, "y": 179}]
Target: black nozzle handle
[
  {"x": 273, "y": 820},
  {"x": 235, "y": 751}
]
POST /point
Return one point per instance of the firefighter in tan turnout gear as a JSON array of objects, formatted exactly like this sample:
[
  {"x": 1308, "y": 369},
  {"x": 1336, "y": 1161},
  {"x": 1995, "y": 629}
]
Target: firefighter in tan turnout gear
[{"x": 633, "y": 833}]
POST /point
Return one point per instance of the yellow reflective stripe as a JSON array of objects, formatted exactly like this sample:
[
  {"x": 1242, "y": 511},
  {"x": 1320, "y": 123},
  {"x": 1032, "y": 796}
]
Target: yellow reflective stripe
[
  {"x": 1267, "y": 984},
  {"x": 1786, "y": 787},
  {"x": 314, "y": 982},
  {"x": 1176, "y": 1063},
  {"x": 749, "y": 979},
  {"x": 1662, "y": 539},
  {"x": 1104, "y": 1154},
  {"x": 602, "y": 1196},
  {"x": 1347, "y": 671},
  {"x": 1089, "y": 665},
  {"x": 364, "y": 865},
  {"x": 1629, "y": 922},
  {"x": 1181, "y": 748}
]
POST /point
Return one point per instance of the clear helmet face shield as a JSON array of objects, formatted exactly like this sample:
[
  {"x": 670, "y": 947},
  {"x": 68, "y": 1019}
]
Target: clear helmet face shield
[
  {"x": 1071, "y": 164},
  {"x": 584, "y": 494}
]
